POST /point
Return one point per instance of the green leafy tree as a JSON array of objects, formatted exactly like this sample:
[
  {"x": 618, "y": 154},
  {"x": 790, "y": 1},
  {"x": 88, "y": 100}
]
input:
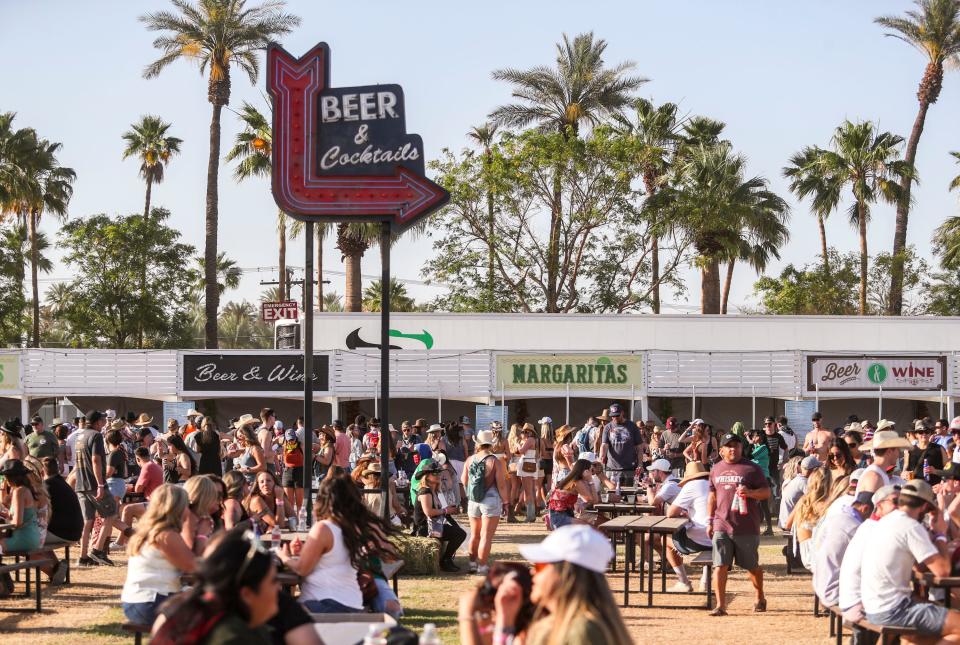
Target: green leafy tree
[
  {"x": 941, "y": 293},
  {"x": 399, "y": 300},
  {"x": 813, "y": 289},
  {"x": 484, "y": 136},
  {"x": 108, "y": 306},
  {"x": 580, "y": 89},
  {"x": 13, "y": 303},
  {"x": 148, "y": 141},
  {"x": 228, "y": 275},
  {"x": 933, "y": 29},
  {"x": 217, "y": 35},
  {"x": 241, "y": 327},
  {"x": 915, "y": 271}
]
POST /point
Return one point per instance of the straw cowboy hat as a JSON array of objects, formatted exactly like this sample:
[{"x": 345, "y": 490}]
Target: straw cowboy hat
[
  {"x": 329, "y": 431},
  {"x": 143, "y": 420},
  {"x": 605, "y": 415},
  {"x": 694, "y": 470},
  {"x": 563, "y": 432},
  {"x": 484, "y": 438},
  {"x": 246, "y": 420},
  {"x": 436, "y": 427},
  {"x": 883, "y": 439},
  {"x": 119, "y": 424},
  {"x": 193, "y": 413},
  {"x": 373, "y": 468},
  {"x": 883, "y": 424}
]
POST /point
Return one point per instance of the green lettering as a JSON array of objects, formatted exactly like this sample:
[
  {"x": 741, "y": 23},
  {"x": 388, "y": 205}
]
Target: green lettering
[
  {"x": 557, "y": 373},
  {"x": 581, "y": 373},
  {"x": 568, "y": 374},
  {"x": 532, "y": 374},
  {"x": 519, "y": 375},
  {"x": 611, "y": 378},
  {"x": 544, "y": 373},
  {"x": 621, "y": 373}
]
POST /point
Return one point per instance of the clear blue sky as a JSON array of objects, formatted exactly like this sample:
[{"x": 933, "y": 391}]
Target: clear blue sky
[{"x": 781, "y": 75}]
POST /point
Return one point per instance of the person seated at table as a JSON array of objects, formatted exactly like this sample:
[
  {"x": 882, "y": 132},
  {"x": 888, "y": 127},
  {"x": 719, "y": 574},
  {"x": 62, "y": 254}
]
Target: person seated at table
[
  {"x": 571, "y": 494},
  {"x": 598, "y": 478},
  {"x": 370, "y": 478},
  {"x": 432, "y": 519},
  {"x": 21, "y": 498},
  {"x": 794, "y": 488},
  {"x": 449, "y": 484},
  {"x": 266, "y": 502},
  {"x": 150, "y": 478},
  {"x": 234, "y": 512},
  {"x": 65, "y": 522},
  {"x": 570, "y": 590},
  {"x": 235, "y": 595},
  {"x": 158, "y": 555},
  {"x": 691, "y": 503},
  {"x": 343, "y": 537},
  {"x": 663, "y": 486},
  {"x": 833, "y": 537},
  {"x": 204, "y": 496},
  {"x": 887, "y": 567}
]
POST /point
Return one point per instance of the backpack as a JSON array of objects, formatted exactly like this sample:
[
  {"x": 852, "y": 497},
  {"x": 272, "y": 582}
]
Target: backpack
[
  {"x": 292, "y": 454},
  {"x": 476, "y": 490},
  {"x": 583, "y": 440}
]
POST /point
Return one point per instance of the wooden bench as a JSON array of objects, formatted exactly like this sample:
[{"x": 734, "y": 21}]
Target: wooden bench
[
  {"x": 137, "y": 630},
  {"x": 49, "y": 545},
  {"x": 26, "y": 565},
  {"x": 391, "y": 571},
  {"x": 887, "y": 633},
  {"x": 836, "y": 623},
  {"x": 705, "y": 559}
]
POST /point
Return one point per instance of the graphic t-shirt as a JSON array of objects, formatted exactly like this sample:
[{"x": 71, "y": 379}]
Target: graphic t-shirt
[
  {"x": 724, "y": 479},
  {"x": 621, "y": 442},
  {"x": 89, "y": 443},
  {"x": 42, "y": 444}
]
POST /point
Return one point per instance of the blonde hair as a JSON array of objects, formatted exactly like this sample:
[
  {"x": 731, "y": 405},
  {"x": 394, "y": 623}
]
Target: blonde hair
[
  {"x": 838, "y": 489},
  {"x": 202, "y": 493},
  {"x": 546, "y": 433},
  {"x": 513, "y": 438},
  {"x": 579, "y": 594},
  {"x": 164, "y": 513},
  {"x": 814, "y": 502}
]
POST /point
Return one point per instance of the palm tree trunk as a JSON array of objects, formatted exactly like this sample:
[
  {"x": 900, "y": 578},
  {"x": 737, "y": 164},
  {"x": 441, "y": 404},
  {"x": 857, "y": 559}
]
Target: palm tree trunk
[
  {"x": 655, "y": 273},
  {"x": 34, "y": 261},
  {"x": 143, "y": 269},
  {"x": 927, "y": 94},
  {"x": 212, "y": 296},
  {"x": 726, "y": 287},
  {"x": 146, "y": 201},
  {"x": 862, "y": 217},
  {"x": 710, "y": 286},
  {"x": 553, "y": 246},
  {"x": 491, "y": 257},
  {"x": 319, "y": 266},
  {"x": 823, "y": 243},
  {"x": 353, "y": 297},
  {"x": 282, "y": 255}
]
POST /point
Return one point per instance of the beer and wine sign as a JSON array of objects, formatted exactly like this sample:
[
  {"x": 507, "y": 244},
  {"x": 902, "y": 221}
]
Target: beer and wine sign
[
  {"x": 889, "y": 373},
  {"x": 279, "y": 374}
]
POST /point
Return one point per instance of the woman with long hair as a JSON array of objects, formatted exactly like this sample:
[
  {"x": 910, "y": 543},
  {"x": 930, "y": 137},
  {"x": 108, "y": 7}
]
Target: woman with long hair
[
  {"x": 326, "y": 453},
  {"x": 573, "y": 491},
  {"x": 808, "y": 511},
  {"x": 204, "y": 500},
  {"x": 234, "y": 512},
  {"x": 210, "y": 448},
  {"x": 266, "y": 502},
  {"x": 701, "y": 446},
  {"x": 548, "y": 440},
  {"x": 431, "y": 518},
  {"x": 457, "y": 453},
  {"x": 528, "y": 468},
  {"x": 564, "y": 454},
  {"x": 854, "y": 439},
  {"x": 250, "y": 454},
  {"x": 485, "y": 495},
  {"x": 158, "y": 555},
  {"x": 179, "y": 465},
  {"x": 574, "y": 604},
  {"x": 340, "y": 543},
  {"x": 512, "y": 442},
  {"x": 840, "y": 460},
  {"x": 11, "y": 441},
  {"x": 22, "y": 497}
]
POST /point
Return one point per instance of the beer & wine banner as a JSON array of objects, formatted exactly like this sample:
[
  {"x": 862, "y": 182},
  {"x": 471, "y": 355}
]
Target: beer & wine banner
[
  {"x": 579, "y": 371},
  {"x": 251, "y": 372},
  {"x": 919, "y": 373}
]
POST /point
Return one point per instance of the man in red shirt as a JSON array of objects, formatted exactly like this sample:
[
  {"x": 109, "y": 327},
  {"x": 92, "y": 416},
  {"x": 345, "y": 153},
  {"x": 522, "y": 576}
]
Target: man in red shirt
[
  {"x": 737, "y": 486},
  {"x": 151, "y": 476}
]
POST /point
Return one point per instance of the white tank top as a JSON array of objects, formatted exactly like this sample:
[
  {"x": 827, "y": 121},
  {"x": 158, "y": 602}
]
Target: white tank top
[
  {"x": 333, "y": 577},
  {"x": 149, "y": 573},
  {"x": 873, "y": 468}
]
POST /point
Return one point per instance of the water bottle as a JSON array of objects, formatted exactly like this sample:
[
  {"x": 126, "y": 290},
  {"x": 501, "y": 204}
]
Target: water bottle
[
  {"x": 742, "y": 505},
  {"x": 256, "y": 532},
  {"x": 926, "y": 464},
  {"x": 275, "y": 536},
  {"x": 375, "y": 636},
  {"x": 302, "y": 519},
  {"x": 429, "y": 635}
]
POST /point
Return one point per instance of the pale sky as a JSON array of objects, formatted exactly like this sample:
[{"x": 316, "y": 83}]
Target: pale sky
[{"x": 781, "y": 75}]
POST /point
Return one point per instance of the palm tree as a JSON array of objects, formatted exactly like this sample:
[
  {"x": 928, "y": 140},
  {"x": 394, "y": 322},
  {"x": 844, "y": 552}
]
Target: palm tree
[
  {"x": 946, "y": 239},
  {"x": 710, "y": 198},
  {"x": 763, "y": 236},
  {"x": 17, "y": 149},
  {"x": 237, "y": 319},
  {"x": 148, "y": 141},
  {"x": 484, "y": 136},
  {"x": 353, "y": 240},
  {"x": 216, "y": 34},
  {"x": 807, "y": 180},
  {"x": 580, "y": 89},
  {"x": 866, "y": 161},
  {"x": 656, "y": 131},
  {"x": 933, "y": 28},
  {"x": 228, "y": 275},
  {"x": 399, "y": 300},
  {"x": 332, "y": 302}
]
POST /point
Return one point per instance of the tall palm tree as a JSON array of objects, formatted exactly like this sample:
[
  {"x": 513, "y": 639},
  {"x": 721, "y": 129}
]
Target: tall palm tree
[
  {"x": 946, "y": 238},
  {"x": 869, "y": 164},
  {"x": 148, "y": 141},
  {"x": 399, "y": 300},
  {"x": 228, "y": 275},
  {"x": 353, "y": 240},
  {"x": 216, "y": 34},
  {"x": 332, "y": 302},
  {"x": 580, "y": 89},
  {"x": 763, "y": 236},
  {"x": 807, "y": 180},
  {"x": 933, "y": 28},
  {"x": 657, "y": 133},
  {"x": 252, "y": 149},
  {"x": 484, "y": 136}
]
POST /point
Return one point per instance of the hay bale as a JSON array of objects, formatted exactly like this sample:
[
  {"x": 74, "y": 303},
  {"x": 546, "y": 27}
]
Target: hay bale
[{"x": 421, "y": 555}]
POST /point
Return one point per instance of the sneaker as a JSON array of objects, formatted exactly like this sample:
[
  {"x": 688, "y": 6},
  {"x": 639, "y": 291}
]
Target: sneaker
[
  {"x": 101, "y": 558},
  {"x": 680, "y": 587},
  {"x": 86, "y": 561},
  {"x": 483, "y": 570},
  {"x": 116, "y": 546},
  {"x": 473, "y": 566},
  {"x": 59, "y": 574},
  {"x": 449, "y": 566}
]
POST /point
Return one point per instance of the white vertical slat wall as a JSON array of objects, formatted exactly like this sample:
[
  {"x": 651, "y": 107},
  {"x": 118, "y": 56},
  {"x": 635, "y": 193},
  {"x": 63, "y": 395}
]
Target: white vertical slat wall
[
  {"x": 776, "y": 374},
  {"x": 151, "y": 374}
]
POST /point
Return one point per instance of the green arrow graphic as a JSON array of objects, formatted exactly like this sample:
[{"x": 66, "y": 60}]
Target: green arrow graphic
[{"x": 424, "y": 337}]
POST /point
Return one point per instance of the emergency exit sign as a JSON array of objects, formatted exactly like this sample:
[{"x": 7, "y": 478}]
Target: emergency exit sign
[{"x": 283, "y": 310}]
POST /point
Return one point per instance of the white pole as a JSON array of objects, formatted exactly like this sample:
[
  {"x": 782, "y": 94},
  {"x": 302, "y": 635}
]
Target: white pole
[
  {"x": 880, "y": 404},
  {"x": 693, "y": 404},
  {"x": 816, "y": 400},
  {"x": 376, "y": 398},
  {"x": 941, "y": 404},
  {"x": 949, "y": 407},
  {"x": 568, "y": 405},
  {"x": 439, "y": 403},
  {"x": 25, "y": 410},
  {"x": 633, "y": 403},
  {"x": 753, "y": 398},
  {"x": 503, "y": 406}
]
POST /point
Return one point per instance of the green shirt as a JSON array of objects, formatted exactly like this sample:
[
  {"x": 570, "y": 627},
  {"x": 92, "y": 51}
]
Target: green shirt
[
  {"x": 582, "y": 631},
  {"x": 233, "y": 630},
  {"x": 43, "y": 444}
]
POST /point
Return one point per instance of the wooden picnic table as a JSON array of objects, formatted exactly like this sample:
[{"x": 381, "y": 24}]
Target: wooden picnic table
[
  {"x": 931, "y": 581},
  {"x": 616, "y": 509},
  {"x": 623, "y": 525},
  {"x": 663, "y": 526}
]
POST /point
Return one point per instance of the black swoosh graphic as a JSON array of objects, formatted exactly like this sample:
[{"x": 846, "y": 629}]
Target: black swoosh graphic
[{"x": 355, "y": 342}]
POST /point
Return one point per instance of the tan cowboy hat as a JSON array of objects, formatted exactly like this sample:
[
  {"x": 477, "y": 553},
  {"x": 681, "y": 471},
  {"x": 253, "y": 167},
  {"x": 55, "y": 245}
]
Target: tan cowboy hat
[
  {"x": 694, "y": 470},
  {"x": 246, "y": 420},
  {"x": 372, "y": 468},
  {"x": 919, "y": 489},
  {"x": 118, "y": 425},
  {"x": 435, "y": 427},
  {"x": 193, "y": 413},
  {"x": 854, "y": 427},
  {"x": 143, "y": 420},
  {"x": 528, "y": 427},
  {"x": 605, "y": 415},
  {"x": 883, "y": 424},
  {"x": 563, "y": 432},
  {"x": 883, "y": 439},
  {"x": 329, "y": 431}
]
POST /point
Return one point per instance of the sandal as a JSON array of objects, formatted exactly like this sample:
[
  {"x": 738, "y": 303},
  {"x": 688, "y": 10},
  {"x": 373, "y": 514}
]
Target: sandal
[
  {"x": 760, "y": 606},
  {"x": 719, "y": 611}
]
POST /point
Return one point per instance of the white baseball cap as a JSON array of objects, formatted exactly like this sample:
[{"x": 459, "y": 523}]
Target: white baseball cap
[
  {"x": 545, "y": 420},
  {"x": 662, "y": 465},
  {"x": 577, "y": 544},
  {"x": 589, "y": 456}
]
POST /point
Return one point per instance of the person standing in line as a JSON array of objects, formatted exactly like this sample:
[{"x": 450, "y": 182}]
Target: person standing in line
[
  {"x": 41, "y": 443},
  {"x": 777, "y": 446},
  {"x": 818, "y": 440},
  {"x": 621, "y": 447},
  {"x": 468, "y": 434},
  {"x": 341, "y": 446},
  {"x": 789, "y": 436},
  {"x": 91, "y": 487},
  {"x": 265, "y": 436},
  {"x": 735, "y": 535},
  {"x": 484, "y": 479}
]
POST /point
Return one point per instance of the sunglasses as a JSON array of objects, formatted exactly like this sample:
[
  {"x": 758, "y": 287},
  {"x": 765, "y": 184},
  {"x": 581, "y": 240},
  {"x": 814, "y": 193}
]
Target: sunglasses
[
  {"x": 539, "y": 566},
  {"x": 836, "y": 455},
  {"x": 255, "y": 547},
  {"x": 852, "y": 444}
]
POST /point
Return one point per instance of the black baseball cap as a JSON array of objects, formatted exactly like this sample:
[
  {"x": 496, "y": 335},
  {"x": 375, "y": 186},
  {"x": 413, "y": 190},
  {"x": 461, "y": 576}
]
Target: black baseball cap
[
  {"x": 94, "y": 415},
  {"x": 768, "y": 420},
  {"x": 36, "y": 419},
  {"x": 337, "y": 423},
  {"x": 729, "y": 437}
]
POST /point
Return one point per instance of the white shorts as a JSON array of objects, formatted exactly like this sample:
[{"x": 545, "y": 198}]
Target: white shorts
[{"x": 536, "y": 473}]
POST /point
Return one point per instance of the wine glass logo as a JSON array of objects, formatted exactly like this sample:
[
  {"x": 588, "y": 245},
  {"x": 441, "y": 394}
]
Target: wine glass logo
[{"x": 877, "y": 373}]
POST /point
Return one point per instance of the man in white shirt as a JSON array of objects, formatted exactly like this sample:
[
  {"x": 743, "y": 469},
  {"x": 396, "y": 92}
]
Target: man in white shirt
[
  {"x": 887, "y": 570},
  {"x": 794, "y": 489},
  {"x": 834, "y": 535},
  {"x": 664, "y": 486},
  {"x": 690, "y": 502},
  {"x": 886, "y": 446},
  {"x": 789, "y": 437},
  {"x": 884, "y": 502}
]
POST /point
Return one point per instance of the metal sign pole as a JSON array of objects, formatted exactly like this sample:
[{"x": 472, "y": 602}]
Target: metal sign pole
[
  {"x": 385, "y": 437},
  {"x": 308, "y": 374},
  {"x": 880, "y": 404}
]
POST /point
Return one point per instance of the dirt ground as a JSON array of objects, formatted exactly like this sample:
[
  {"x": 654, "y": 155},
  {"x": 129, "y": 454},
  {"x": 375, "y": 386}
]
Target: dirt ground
[{"x": 88, "y": 610}]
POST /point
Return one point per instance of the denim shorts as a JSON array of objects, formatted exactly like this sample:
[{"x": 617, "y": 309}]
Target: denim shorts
[
  {"x": 384, "y": 595},
  {"x": 143, "y": 613},
  {"x": 925, "y": 617},
  {"x": 491, "y": 506},
  {"x": 329, "y": 606},
  {"x": 560, "y": 518},
  {"x": 117, "y": 486}
]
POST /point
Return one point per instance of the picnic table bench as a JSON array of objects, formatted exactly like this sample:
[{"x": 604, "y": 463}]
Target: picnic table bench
[{"x": 26, "y": 566}]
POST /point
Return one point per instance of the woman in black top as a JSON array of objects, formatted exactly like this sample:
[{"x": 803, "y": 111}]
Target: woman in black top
[
  {"x": 66, "y": 519},
  {"x": 208, "y": 445},
  {"x": 933, "y": 453},
  {"x": 428, "y": 512}
]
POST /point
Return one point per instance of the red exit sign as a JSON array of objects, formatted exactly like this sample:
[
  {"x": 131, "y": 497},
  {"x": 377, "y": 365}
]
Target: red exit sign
[{"x": 283, "y": 310}]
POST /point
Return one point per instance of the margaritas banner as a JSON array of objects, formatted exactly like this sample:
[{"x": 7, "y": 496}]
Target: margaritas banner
[
  {"x": 580, "y": 371},
  {"x": 921, "y": 373}
]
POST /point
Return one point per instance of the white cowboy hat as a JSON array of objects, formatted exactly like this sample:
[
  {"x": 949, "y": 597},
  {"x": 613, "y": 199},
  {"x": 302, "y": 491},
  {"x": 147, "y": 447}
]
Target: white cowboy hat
[
  {"x": 246, "y": 420},
  {"x": 436, "y": 427}
]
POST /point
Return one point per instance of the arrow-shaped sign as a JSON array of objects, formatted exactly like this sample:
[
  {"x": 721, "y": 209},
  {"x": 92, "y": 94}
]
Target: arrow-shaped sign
[{"x": 304, "y": 184}]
